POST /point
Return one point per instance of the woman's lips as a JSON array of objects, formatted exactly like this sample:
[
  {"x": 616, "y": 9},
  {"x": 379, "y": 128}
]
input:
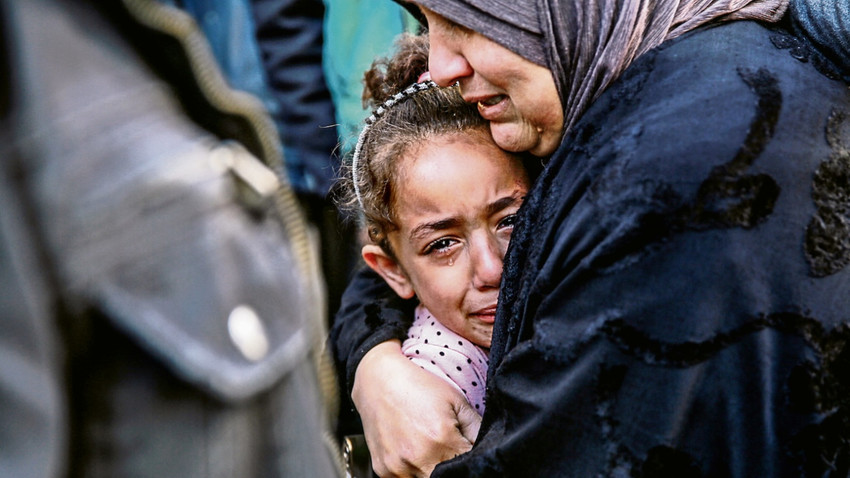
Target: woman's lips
[
  {"x": 492, "y": 106},
  {"x": 493, "y": 100}
]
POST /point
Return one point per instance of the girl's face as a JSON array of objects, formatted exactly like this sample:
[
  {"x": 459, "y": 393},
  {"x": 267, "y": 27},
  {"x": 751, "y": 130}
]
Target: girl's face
[
  {"x": 517, "y": 96},
  {"x": 456, "y": 201}
]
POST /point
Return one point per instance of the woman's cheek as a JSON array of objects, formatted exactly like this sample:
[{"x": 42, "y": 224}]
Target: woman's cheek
[{"x": 516, "y": 136}]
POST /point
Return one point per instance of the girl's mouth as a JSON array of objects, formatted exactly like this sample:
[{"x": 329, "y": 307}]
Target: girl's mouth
[{"x": 486, "y": 315}]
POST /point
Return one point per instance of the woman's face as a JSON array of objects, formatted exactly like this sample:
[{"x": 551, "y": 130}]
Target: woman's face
[
  {"x": 517, "y": 96},
  {"x": 456, "y": 201}
]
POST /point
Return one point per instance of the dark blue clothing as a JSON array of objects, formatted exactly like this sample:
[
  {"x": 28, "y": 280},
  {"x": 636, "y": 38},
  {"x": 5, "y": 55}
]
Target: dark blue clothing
[
  {"x": 826, "y": 23},
  {"x": 674, "y": 298},
  {"x": 273, "y": 50},
  {"x": 675, "y": 306},
  {"x": 289, "y": 35}
]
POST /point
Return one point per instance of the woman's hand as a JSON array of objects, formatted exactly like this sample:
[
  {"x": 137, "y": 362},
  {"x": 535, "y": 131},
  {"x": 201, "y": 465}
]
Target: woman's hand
[{"x": 412, "y": 419}]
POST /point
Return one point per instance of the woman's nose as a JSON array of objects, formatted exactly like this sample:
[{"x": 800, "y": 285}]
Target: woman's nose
[
  {"x": 487, "y": 264},
  {"x": 445, "y": 60}
]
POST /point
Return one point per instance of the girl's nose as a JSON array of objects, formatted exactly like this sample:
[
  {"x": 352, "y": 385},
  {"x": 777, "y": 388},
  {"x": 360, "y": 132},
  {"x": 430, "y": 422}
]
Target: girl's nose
[{"x": 486, "y": 258}]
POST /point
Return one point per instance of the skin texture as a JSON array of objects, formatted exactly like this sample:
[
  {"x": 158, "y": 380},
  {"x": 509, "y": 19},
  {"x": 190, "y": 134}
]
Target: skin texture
[
  {"x": 517, "y": 96},
  {"x": 412, "y": 423},
  {"x": 458, "y": 197}
]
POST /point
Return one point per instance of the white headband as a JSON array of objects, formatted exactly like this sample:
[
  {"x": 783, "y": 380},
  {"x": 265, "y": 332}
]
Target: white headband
[{"x": 396, "y": 98}]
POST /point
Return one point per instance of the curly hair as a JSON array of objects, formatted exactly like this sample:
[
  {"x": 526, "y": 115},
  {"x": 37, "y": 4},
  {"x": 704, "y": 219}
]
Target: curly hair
[{"x": 401, "y": 123}]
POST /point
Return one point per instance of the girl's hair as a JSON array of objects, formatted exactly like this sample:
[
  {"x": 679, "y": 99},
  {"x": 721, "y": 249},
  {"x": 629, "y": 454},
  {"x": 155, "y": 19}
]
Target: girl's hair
[{"x": 404, "y": 118}]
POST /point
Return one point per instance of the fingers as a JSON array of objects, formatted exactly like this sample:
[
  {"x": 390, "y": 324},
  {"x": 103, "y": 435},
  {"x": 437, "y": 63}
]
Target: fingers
[
  {"x": 419, "y": 457},
  {"x": 412, "y": 419},
  {"x": 469, "y": 422}
]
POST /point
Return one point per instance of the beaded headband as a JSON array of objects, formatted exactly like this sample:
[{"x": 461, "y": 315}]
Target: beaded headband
[{"x": 393, "y": 100}]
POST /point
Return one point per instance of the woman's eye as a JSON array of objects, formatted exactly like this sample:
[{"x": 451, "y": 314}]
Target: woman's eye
[
  {"x": 440, "y": 245},
  {"x": 456, "y": 27}
]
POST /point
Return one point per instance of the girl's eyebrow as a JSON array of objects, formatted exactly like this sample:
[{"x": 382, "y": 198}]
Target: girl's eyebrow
[
  {"x": 502, "y": 203},
  {"x": 428, "y": 227}
]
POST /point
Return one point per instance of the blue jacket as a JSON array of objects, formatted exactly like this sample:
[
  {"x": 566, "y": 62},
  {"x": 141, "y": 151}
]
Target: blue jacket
[{"x": 273, "y": 50}]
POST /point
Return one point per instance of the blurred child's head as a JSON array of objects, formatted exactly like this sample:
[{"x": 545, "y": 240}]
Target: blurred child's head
[{"x": 437, "y": 196}]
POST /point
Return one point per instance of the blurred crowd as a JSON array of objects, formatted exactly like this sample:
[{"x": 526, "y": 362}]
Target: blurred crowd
[{"x": 170, "y": 252}]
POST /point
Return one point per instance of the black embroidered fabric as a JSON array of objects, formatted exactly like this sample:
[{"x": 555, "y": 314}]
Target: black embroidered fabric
[{"x": 675, "y": 295}]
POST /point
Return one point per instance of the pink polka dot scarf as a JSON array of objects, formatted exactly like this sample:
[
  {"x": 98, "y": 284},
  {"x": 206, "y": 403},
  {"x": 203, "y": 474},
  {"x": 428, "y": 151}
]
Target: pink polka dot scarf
[{"x": 435, "y": 348}]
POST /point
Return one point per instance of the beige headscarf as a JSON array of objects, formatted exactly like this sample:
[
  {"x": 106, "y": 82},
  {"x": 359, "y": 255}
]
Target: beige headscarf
[
  {"x": 588, "y": 43},
  {"x": 592, "y": 42}
]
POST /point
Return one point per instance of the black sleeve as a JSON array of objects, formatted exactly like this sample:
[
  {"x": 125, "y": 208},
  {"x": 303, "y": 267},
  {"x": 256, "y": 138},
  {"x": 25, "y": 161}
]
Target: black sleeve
[{"x": 370, "y": 313}]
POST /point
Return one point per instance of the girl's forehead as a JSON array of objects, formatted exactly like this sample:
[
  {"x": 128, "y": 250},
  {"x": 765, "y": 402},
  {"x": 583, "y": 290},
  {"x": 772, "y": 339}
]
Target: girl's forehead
[
  {"x": 457, "y": 176},
  {"x": 450, "y": 158}
]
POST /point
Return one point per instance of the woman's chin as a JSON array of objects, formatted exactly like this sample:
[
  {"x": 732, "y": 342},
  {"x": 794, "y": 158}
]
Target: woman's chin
[
  {"x": 514, "y": 137},
  {"x": 545, "y": 147}
]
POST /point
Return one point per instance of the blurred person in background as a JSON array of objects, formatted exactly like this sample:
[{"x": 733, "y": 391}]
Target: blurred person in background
[
  {"x": 274, "y": 50},
  {"x": 162, "y": 306}
]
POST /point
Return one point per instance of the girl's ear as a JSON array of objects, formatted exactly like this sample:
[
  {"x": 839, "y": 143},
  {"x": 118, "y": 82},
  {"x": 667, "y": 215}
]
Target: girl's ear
[{"x": 389, "y": 269}]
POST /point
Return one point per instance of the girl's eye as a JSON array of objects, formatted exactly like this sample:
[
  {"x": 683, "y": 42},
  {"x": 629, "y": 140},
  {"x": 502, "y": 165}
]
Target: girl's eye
[
  {"x": 508, "y": 221},
  {"x": 440, "y": 245}
]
